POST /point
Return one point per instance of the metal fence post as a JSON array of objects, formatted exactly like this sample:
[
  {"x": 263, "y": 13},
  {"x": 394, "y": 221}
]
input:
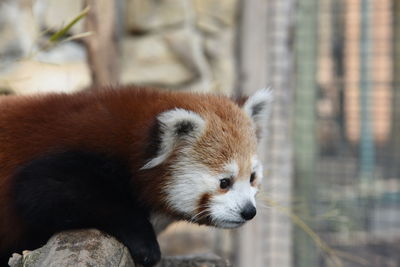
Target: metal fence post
[
  {"x": 266, "y": 60},
  {"x": 304, "y": 125}
]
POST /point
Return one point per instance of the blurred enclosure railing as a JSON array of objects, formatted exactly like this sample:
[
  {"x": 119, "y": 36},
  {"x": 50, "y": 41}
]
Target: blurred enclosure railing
[
  {"x": 332, "y": 155},
  {"x": 345, "y": 130},
  {"x": 331, "y": 195}
]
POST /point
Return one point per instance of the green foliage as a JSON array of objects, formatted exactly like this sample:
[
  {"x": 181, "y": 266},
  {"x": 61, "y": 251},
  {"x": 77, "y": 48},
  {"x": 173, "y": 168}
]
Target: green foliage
[{"x": 59, "y": 35}]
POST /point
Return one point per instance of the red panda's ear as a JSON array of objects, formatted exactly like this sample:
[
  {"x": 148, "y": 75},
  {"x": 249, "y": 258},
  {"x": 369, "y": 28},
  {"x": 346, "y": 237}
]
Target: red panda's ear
[
  {"x": 175, "y": 126},
  {"x": 258, "y": 106}
]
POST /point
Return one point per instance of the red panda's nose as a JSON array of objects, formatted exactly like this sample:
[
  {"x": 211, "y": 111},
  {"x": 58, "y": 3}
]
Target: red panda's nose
[{"x": 248, "y": 212}]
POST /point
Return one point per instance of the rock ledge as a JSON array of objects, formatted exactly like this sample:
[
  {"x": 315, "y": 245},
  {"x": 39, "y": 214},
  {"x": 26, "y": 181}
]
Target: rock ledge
[{"x": 94, "y": 248}]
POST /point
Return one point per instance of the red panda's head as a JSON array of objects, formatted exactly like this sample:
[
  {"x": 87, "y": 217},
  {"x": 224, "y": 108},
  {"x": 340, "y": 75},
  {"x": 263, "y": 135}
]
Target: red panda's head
[{"x": 210, "y": 151}]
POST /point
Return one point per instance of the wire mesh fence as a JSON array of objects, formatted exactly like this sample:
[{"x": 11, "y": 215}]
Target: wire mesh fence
[
  {"x": 334, "y": 65},
  {"x": 347, "y": 184}
]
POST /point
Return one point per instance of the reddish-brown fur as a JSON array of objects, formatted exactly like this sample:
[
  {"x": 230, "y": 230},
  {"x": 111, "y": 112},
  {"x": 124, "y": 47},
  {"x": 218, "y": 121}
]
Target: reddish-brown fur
[
  {"x": 202, "y": 208},
  {"x": 109, "y": 121}
]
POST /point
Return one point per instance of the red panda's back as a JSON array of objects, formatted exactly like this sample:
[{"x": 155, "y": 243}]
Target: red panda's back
[{"x": 34, "y": 125}]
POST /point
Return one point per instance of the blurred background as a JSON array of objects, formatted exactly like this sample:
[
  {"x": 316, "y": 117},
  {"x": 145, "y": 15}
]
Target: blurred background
[{"x": 331, "y": 193}]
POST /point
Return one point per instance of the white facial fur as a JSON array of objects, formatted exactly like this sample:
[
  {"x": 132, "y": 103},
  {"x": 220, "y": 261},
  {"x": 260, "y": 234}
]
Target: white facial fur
[
  {"x": 191, "y": 181},
  {"x": 226, "y": 208}
]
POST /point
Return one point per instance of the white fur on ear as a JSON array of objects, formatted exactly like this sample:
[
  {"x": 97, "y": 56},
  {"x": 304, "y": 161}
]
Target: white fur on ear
[
  {"x": 258, "y": 107},
  {"x": 176, "y": 125}
]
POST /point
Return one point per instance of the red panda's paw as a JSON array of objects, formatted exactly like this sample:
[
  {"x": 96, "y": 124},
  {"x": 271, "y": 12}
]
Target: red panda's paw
[{"x": 145, "y": 252}]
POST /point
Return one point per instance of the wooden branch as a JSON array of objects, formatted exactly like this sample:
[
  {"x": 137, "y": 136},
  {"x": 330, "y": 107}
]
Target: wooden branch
[{"x": 102, "y": 46}]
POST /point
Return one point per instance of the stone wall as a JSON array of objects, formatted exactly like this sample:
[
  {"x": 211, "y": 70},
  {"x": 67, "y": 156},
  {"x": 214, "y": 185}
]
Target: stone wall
[
  {"x": 25, "y": 65},
  {"x": 177, "y": 44}
]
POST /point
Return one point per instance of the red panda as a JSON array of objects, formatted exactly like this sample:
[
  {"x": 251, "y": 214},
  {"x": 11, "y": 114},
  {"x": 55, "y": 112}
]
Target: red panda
[{"x": 127, "y": 161}]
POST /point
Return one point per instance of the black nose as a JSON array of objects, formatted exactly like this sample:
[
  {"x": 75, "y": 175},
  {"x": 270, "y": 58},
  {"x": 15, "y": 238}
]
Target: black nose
[{"x": 248, "y": 212}]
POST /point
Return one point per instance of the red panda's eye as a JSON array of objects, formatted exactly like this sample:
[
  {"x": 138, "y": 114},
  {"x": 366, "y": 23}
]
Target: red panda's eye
[
  {"x": 252, "y": 177},
  {"x": 224, "y": 183}
]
